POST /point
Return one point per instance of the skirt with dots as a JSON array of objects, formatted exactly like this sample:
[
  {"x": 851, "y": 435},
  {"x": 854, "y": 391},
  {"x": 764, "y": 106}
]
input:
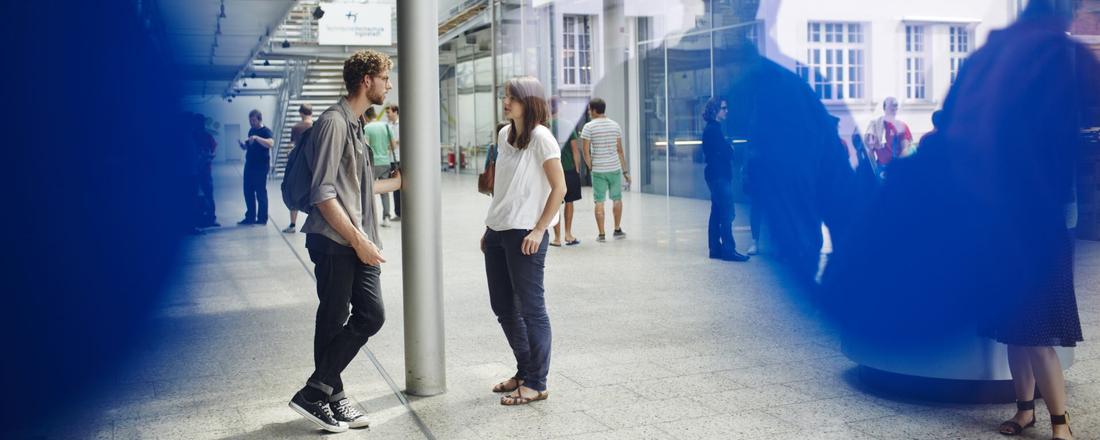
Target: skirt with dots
[{"x": 1046, "y": 316}]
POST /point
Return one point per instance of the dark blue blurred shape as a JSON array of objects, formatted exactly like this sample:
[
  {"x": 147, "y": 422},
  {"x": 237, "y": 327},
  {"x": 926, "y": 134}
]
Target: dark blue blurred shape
[
  {"x": 97, "y": 196},
  {"x": 970, "y": 234}
]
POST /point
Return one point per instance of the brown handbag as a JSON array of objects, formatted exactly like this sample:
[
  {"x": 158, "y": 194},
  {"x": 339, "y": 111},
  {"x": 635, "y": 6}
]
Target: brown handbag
[{"x": 485, "y": 180}]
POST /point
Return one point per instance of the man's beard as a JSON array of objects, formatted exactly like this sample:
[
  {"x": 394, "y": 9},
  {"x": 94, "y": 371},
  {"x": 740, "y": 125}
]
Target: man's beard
[{"x": 377, "y": 99}]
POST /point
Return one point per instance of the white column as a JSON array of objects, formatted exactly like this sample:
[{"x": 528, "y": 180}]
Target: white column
[{"x": 425, "y": 362}]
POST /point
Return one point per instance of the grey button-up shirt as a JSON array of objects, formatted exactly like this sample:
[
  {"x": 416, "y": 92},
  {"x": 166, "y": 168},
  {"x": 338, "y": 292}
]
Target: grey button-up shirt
[{"x": 341, "y": 171}]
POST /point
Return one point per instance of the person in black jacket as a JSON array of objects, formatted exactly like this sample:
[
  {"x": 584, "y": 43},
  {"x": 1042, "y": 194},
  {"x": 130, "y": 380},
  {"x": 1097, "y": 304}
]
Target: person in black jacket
[{"x": 719, "y": 177}]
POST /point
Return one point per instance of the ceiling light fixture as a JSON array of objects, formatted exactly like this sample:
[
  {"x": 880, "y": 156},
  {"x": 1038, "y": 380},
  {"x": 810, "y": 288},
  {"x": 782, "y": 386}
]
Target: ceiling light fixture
[
  {"x": 286, "y": 43},
  {"x": 267, "y": 63},
  {"x": 222, "y": 15},
  {"x": 318, "y": 12},
  {"x": 215, "y": 41},
  {"x": 219, "y": 31}
]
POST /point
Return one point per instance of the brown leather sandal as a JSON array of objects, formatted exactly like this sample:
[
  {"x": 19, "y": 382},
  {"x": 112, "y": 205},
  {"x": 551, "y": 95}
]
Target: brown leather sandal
[
  {"x": 521, "y": 400},
  {"x": 500, "y": 387}
]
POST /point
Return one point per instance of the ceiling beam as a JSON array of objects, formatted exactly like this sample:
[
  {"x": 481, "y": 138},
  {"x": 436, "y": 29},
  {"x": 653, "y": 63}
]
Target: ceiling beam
[{"x": 263, "y": 41}]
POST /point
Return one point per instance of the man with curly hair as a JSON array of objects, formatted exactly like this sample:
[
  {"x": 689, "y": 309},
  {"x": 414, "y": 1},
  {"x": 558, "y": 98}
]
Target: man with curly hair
[{"x": 342, "y": 239}]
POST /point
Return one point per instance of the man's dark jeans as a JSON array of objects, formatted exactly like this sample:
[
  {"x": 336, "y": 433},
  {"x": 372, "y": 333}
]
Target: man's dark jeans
[
  {"x": 720, "y": 232},
  {"x": 396, "y": 193},
  {"x": 342, "y": 279},
  {"x": 255, "y": 190},
  {"x": 516, "y": 295}
]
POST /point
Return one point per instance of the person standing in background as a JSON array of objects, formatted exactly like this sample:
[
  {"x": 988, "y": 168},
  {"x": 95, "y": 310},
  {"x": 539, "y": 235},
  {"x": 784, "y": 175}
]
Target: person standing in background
[
  {"x": 257, "y": 163},
  {"x": 306, "y": 112},
  {"x": 382, "y": 143},
  {"x": 888, "y": 137},
  {"x": 719, "y": 178},
  {"x": 603, "y": 152},
  {"x": 392, "y": 114},
  {"x": 570, "y": 165},
  {"x": 207, "y": 151}
]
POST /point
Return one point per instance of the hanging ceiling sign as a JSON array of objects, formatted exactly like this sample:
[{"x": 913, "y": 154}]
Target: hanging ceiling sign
[{"x": 347, "y": 24}]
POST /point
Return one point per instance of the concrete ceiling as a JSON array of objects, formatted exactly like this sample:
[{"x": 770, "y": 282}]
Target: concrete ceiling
[{"x": 190, "y": 27}]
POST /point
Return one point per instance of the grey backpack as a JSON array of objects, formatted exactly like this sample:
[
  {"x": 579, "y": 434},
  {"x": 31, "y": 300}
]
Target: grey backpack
[{"x": 298, "y": 176}]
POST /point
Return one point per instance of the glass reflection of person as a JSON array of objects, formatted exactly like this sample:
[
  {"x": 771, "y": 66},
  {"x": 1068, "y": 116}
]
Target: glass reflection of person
[
  {"x": 1009, "y": 130},
  {"x": 719, "y": 177},
  {"x": 888, "y": 138}
]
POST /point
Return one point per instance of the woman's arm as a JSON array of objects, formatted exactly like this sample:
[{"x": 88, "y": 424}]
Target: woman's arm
[{"x": 556, "y": 176}]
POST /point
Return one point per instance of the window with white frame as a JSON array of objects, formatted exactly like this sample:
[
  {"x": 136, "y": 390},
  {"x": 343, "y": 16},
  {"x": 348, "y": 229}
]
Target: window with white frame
[
  {"x": 916, "y": 63},
  {"x": 835, "y": 62},
  {"x": 960, "y": 49},
  {"x": 576, "y": 50}
]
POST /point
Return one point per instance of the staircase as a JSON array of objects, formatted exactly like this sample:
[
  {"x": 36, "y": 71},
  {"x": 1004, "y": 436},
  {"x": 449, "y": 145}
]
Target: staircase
[
  {"x": 323, "y": 87},
  {"x": 320, "y": 84}
]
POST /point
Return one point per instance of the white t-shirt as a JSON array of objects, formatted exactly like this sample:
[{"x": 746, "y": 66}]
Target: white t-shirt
[
  {"x": 396, "y": 126},
  {"x": 520, "y": 188}
]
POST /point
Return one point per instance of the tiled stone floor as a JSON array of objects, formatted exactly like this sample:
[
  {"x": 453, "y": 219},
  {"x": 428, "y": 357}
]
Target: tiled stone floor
[{"x": 652, "y": 340}]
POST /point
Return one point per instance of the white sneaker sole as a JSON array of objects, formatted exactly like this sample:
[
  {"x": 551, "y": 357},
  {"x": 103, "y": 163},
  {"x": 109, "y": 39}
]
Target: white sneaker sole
[
  {"x": 304, "y": 413},
  {"x": 362, "y": 422}
]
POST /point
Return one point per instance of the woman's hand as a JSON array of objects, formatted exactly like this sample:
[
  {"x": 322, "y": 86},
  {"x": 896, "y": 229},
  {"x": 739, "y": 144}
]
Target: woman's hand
[{"x": 532, "y": 241}]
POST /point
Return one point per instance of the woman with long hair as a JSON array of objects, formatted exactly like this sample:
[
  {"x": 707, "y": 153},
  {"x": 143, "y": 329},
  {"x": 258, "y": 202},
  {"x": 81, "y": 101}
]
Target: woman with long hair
[
  {"x": 528, "y": 188},
  {"x": 719, "y": 177}
]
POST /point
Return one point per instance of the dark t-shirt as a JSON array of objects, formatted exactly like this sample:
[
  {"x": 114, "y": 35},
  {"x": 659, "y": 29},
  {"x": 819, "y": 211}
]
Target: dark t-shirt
[
  {"x": 258, "y": 156},
  {"x": 567, "y": 160}
]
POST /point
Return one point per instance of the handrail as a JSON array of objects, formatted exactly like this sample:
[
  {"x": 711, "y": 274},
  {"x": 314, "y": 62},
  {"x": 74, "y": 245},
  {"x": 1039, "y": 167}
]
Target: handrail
[
  {"x": 294, "y": 74},
  {"x": 280, "y": 119}
]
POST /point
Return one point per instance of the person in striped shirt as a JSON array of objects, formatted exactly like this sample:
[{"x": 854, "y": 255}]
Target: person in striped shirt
[{"x": 603, "y": 152}]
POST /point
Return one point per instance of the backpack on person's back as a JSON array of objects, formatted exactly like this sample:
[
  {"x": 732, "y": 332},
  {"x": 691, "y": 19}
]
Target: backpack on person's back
[{"x": 298, "y": 176}]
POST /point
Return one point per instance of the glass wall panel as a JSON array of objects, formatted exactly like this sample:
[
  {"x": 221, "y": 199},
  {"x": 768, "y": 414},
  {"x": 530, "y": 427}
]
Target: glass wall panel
[
  {"x": 732, "y": 12},
  {"x": 654, "y": 136},
  {"x": 485, "y": 99},
  {"x": 689, "y": 87},
  {"x": 732, "y": 47},
  {"x": 448, "y": 101}
]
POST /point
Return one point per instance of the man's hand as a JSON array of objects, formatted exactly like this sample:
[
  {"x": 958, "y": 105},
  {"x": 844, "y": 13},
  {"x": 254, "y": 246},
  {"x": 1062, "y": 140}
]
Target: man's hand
[
  {"x": 483, "y": 240},
  {"x": 367, "y": 252},
  {"x": 532, "y": 241},
  {"x": 627, "y": 176}
]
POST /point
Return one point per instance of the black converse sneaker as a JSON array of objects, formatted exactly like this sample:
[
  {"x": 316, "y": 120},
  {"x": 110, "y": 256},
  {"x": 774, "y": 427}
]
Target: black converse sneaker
[
  {"x": 317, "y": 412},
  {"x": 349, "y": 413}
]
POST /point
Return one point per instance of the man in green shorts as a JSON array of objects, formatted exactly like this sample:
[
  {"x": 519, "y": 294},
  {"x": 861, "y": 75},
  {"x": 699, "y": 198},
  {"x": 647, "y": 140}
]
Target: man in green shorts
[{"x": 603, "y": 152}]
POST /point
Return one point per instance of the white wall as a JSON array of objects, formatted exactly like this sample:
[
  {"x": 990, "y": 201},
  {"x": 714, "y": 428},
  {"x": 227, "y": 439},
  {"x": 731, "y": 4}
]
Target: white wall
[
  {"x": 223, "y": 112},
  {"x": 884, "y": 21}
]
